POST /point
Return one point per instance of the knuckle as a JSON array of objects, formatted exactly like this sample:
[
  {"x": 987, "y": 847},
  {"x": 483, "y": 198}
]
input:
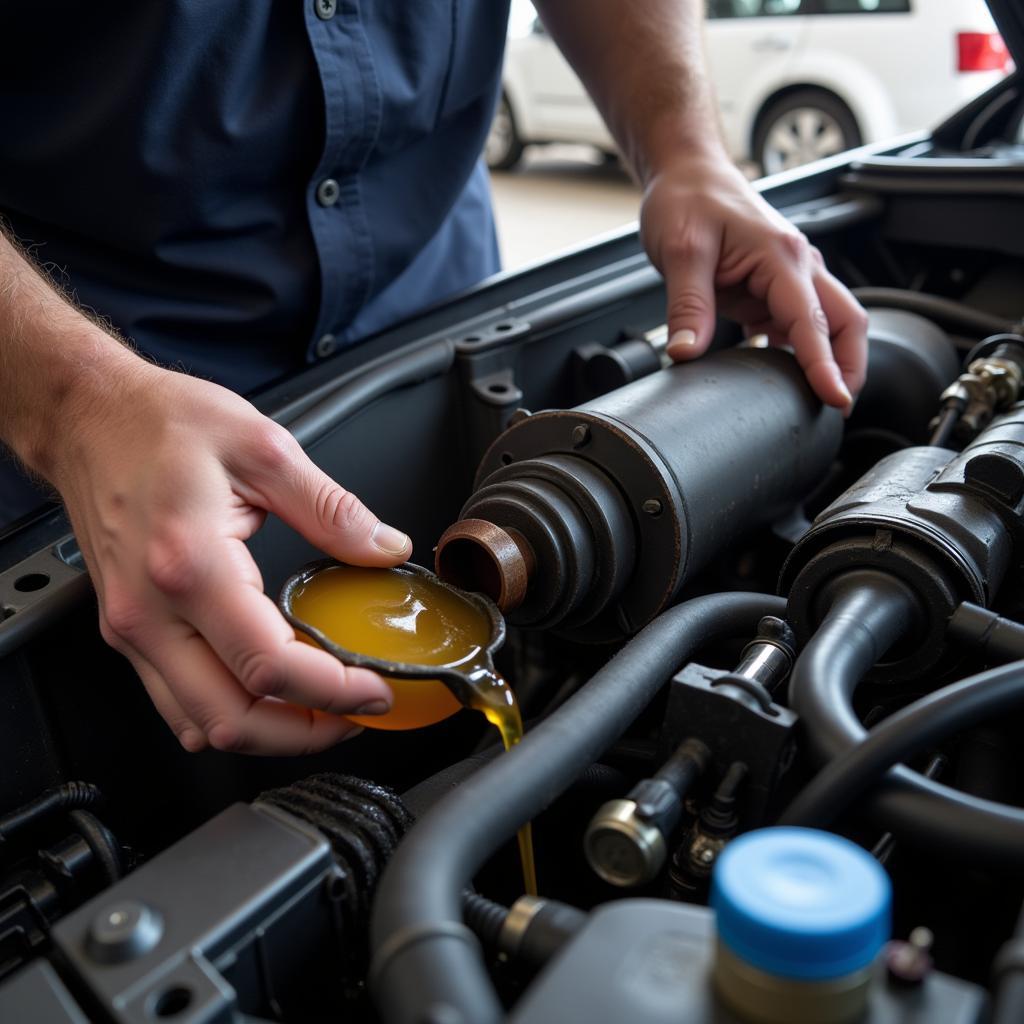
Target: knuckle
[
  {"x": 174, "y": 564},
  {"x": 260, "y": 675},
  {"x": 273, "y": 448},
  {"x": 793, "y": 245},
  {"x": 110, "y": 638},
  {"x": 687, "y": 247},
  {"x": 689, "y": 301},
  {"x": 123, "y": 618},
  {"x": 341, "y": 510}
]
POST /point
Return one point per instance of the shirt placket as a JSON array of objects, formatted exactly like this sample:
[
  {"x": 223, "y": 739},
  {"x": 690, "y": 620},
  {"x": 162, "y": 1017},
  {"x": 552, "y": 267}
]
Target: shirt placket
[{"x": 337, "y": 216}]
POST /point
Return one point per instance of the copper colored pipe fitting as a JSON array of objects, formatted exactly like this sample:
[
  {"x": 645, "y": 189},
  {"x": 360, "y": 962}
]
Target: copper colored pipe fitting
[{"x": 478, "y": 556}]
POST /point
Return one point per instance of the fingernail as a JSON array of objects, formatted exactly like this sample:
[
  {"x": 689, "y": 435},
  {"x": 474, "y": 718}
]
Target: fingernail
[
  {"x": 683, "y": 339},
  {"x": 841, "y": 384},
  {"x": 375, "y": 707},
  {"x": 389, "y": 540}
]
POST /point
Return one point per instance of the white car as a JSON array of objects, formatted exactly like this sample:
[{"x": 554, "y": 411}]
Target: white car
[{"x": 796, "y": 80}]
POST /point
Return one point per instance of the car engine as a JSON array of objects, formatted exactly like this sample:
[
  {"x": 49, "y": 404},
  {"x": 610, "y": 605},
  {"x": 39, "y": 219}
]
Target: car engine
[{"x": 769, "y": 662}]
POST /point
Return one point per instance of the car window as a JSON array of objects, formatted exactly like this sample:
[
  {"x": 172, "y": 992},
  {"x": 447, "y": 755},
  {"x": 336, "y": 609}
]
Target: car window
[
  {"x": 865, "y": 6},
  {"x": 754, "y": 8}
]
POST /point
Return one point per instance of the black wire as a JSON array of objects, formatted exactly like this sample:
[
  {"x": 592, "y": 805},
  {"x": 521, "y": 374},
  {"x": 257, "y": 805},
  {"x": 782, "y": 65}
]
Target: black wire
[{"x": 943, "y": 432}]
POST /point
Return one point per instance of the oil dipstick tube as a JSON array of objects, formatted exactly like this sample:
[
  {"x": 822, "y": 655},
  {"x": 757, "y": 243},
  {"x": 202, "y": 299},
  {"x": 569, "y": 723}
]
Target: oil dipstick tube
[{"x": 591, "y": 520}]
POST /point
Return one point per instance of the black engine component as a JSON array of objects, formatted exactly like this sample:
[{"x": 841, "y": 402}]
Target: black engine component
[
  {"x": 613, "y": 506},
  {"x": 948, "y": 525},
  {"x": 261, "y": 911}
]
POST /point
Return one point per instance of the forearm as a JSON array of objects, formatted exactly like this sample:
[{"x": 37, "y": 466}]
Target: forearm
[
  {"x": 55, "y": 363},
  {"x": 643, "y": 64}
]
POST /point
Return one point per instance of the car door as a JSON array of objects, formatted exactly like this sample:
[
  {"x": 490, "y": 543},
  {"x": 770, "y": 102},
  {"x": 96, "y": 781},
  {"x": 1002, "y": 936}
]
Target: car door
[
  {"x": 750, "y": 46},
  {"x": 560, "y": 109}
]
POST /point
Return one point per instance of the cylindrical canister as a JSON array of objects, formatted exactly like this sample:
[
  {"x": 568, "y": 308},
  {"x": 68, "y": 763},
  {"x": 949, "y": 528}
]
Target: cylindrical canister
[
  {"x": 592, "y": 519},
  {"x": 801, "y": 917}
]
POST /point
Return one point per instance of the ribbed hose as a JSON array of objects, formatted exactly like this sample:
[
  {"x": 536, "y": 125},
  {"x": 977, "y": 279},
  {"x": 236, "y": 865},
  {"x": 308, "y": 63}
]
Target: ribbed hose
[
  {"x": 427, "y": 964},
  {"x": 68, "y": 797},
  {"x": 485, "y": 917},
  {"x": 869, "y": 611},
  {"x": 363, "y": 822}
]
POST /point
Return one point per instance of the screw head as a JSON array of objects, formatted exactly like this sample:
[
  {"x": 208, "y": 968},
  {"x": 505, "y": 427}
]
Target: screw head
[
  {"x": 123, "y": 931},
  {"x": 580, "y": 435},
  {"x": 707, "y": 855},
  {"x": 652, "y": 507}
]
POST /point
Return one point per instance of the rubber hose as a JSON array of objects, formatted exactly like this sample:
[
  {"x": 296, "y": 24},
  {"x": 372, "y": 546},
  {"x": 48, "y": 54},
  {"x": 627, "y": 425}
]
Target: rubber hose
[
  {"x": 485, "y": 917},
  {"x": 427, "y": 964},
  {"x": 954, "y": 316},
  {"x": 997, "y": 638},
  {"x": 868, "y": 611},
  {"x": 67, "y": 797},
  {"x": 921, "y": 724}
]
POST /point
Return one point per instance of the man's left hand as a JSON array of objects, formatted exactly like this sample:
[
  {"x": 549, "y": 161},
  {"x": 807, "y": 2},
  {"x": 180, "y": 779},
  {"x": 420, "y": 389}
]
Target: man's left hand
[{"x": 722, "y": 249}]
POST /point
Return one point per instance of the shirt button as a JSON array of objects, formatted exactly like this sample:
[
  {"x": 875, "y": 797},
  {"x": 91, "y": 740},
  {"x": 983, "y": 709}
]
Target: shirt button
[
  {"x": 328, "y": 192},
  {"x": 325, "y": 9},
  {"x": 326, "y": 345}
]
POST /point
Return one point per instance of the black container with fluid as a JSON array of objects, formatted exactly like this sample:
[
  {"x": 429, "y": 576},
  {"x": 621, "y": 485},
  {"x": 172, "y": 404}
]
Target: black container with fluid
[{"x": 614, "y": 505}]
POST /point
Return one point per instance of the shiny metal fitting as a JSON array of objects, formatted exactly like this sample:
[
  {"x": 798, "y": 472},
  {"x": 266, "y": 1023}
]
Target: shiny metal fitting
[{"x": 623, "y": 848}]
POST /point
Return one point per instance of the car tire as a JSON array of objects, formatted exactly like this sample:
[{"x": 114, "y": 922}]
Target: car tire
[
  {"x": 802, "y": 126},
  {"x": 503, "y": 149}
]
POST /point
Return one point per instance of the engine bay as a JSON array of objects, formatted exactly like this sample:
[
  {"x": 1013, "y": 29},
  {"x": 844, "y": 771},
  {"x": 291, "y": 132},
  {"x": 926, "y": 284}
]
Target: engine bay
[{"x": 730, "y": 614}]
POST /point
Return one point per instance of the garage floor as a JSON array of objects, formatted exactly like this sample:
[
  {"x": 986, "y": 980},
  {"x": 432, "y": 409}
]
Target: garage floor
[{"x": 557, "y": 198}]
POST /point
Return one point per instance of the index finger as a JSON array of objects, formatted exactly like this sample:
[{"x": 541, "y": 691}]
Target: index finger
[
  {"x": 848, "y": 325},
  {"x": 248, "y": 633},
  {"x": 796, "y": 311}
]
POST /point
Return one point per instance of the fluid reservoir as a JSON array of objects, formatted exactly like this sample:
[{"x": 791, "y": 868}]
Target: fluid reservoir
[
  {"x": 591, "y": 520},
  {"x": 801, "y": 917}
]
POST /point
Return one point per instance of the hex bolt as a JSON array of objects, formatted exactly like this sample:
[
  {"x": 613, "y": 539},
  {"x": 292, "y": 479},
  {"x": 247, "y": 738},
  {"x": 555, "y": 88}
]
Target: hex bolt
[
  {"x": 580, "y": 435},
  {"x": 652, "y": 507}
]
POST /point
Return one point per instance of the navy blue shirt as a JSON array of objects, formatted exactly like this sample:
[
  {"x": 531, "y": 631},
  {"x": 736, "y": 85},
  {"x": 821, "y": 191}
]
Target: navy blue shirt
[{"x": 241, "y": 188}]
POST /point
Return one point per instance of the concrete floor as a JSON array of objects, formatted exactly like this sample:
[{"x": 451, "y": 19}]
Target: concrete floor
[{"x": 557, "y": 198}]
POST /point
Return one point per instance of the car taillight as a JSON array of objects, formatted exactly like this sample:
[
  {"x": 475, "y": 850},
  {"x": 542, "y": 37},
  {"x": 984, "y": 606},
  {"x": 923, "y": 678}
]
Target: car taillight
[{"x": 981, "y": 51}]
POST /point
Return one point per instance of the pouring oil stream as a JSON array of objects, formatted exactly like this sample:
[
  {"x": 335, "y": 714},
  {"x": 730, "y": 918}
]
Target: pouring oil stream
[{"x": 401, "y": 616}]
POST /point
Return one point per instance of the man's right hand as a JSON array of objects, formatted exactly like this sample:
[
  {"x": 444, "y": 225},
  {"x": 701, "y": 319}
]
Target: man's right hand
[
  {"x": 164, "y": 477},
  {"x": 163, "y": 484}
]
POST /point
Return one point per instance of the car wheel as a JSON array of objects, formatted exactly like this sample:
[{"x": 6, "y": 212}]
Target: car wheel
[
  {"x": 801, "y": 127},
  {"x": 503, "y": 148}
]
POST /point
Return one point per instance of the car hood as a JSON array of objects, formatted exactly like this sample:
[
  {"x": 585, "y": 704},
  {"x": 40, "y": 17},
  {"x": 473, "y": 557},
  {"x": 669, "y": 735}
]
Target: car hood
[{"x": 1009, "y": 16}]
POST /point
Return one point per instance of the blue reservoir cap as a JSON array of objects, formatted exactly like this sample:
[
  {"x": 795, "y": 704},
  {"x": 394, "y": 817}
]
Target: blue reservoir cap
[{"x": 801, "y": 903}]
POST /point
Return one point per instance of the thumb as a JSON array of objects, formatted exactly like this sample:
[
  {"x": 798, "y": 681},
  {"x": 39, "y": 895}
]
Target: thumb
[
  {"x": 690, "y": 289},
  {"x": 328, "y": 516}
]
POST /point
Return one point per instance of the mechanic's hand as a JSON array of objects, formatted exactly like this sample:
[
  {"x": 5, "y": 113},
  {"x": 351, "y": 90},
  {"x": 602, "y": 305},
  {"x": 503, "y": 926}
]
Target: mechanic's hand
[
  {"x": 719, "y": 245},
  {"x": 166, "y": 482}
]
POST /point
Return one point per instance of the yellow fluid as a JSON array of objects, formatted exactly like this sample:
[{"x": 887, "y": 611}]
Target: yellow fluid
[
  {"x": 406, "y": 617},
  {"x": 494, "y": 698}
]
